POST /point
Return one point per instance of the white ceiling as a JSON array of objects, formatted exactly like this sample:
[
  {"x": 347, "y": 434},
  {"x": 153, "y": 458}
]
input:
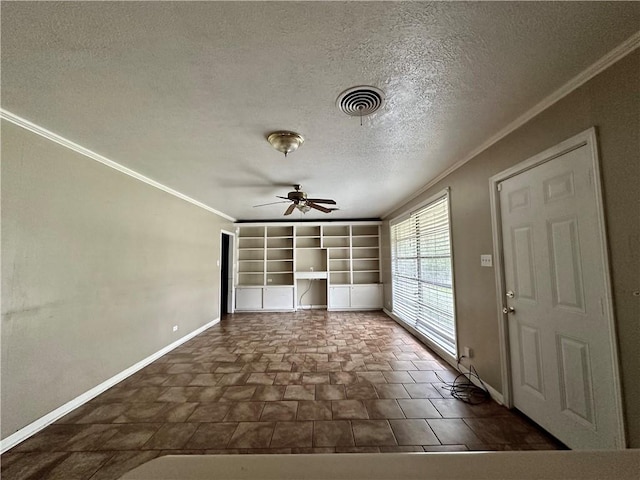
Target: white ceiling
[{"x": 185, "y": 93}]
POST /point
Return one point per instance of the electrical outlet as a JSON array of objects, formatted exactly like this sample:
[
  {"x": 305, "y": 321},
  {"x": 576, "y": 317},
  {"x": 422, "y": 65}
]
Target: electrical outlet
[
  {"x": 269, "y": 280},
  {"x": 468, "y": 352},
  {"x": 175, "y": 328},
  {"x": 311, "y": 269},
  {"x": 486, "y": 261}
]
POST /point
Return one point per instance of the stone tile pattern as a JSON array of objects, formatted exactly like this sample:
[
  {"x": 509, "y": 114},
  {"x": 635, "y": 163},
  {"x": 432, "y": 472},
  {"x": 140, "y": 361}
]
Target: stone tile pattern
[{"x": 305, "y": 382}]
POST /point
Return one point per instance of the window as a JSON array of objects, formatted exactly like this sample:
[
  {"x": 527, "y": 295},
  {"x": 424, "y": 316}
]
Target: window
[{"x": 422, "y": 276}]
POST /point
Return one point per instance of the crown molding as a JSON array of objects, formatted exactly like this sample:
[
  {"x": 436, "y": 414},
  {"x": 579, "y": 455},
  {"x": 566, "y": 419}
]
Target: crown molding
[
  {"x": 54, "y": 137},
  {"x": 621, "y": 51}
]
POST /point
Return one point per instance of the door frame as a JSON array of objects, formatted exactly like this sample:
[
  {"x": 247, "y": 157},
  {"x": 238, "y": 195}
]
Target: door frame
[
  {"x": 232, "y": 271},
  {"x": 586, "y": 138}
]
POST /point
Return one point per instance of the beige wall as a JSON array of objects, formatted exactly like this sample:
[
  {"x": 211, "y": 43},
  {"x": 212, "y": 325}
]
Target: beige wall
[
  {"x": 96, "y": 269},
  {"x": 611, "y": 102}
]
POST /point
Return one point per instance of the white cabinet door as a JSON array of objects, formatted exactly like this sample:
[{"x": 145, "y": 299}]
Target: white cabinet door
[
  {"x": 366, "y": 296},
  {"x": 248, "y": 298},
  {"x": 340, "y": 296},
  {"x": 278, "y": 298}
]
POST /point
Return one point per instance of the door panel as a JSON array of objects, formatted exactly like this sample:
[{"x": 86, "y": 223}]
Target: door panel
[
  {"x": 559, "y": 338},
  {"x": 531, "y": 359},
  {"x": 566, "y": 273},
  {"x": 575, "y": 377},
  {"x": 558, "y": 187},
  {"x": 524, "y": 274}
]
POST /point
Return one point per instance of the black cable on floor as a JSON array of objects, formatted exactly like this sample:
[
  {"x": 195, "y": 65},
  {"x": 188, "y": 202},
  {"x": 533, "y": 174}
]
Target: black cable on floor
[
  {"x": 462, "y": 388},
  {"x": 302, "y": 296}
]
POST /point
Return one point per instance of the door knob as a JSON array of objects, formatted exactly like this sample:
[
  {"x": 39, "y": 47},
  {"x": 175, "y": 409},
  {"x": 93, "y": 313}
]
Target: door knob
[
  {"x": 510, "y": 294},
  {"x": 508, "y": 310}
]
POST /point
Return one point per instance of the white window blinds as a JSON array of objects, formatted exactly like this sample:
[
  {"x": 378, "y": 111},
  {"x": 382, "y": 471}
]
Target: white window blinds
[{"x": 422, "y": 273}]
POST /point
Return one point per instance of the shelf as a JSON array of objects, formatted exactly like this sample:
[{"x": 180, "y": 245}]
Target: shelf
[
  {"x": 250, "y": 243},
  {"x": 328, "y": 243},
  {"x": 250, "y": 281},
  {"x": 307, "y": 242},
  {"x": 307, "y": 275},
  {"x": 279, "y": 231},
  {"x": 335, "y": 231},
  {"x": 364, "y": 230},
  {"x": 339, "y": 278},
  {"x": 364, "y": 242},
  {"x": 308, "y": 231},
  {"x": 279, "y": 255}
]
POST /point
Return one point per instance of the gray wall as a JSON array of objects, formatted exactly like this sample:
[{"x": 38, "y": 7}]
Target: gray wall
[
  {"x": 611, "y": 102},
  {"x": 96, "y": 269}
]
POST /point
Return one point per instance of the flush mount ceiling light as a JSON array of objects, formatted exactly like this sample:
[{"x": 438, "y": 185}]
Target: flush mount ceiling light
[
  {"x": 360, "y": 101},
  {"x": 285, "y": 141}
]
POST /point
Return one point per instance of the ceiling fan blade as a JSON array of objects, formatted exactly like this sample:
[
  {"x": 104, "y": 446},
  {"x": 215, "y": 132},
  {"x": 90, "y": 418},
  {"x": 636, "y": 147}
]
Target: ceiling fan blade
[
  {"x": 319, "y": 207},
  {"x": 321, "y": 200},
  {"x": 264, "y": 204},
  {"x": 284, "y": 198},
  {"x": 290, "y": 209}
]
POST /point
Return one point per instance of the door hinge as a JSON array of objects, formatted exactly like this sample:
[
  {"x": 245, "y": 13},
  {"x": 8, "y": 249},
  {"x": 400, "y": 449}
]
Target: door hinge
[{"x": 500, "y": 187}]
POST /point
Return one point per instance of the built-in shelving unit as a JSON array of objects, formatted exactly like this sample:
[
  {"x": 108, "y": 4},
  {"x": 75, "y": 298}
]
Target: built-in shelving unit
[
  {"x": 334, "y": 265},
  {"x": 251, "y": 256}
]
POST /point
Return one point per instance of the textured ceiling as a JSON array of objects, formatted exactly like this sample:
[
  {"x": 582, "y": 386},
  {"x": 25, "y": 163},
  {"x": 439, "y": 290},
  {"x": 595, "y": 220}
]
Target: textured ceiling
[{"x": 185, "y": 92}]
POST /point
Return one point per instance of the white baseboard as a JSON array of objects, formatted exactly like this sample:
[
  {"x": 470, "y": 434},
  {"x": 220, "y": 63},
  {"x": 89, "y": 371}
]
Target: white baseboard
[
  {"x": 450, "y": 359},
  {"x": 34, "y": 427},
  {"x": 495, "y": 395}
]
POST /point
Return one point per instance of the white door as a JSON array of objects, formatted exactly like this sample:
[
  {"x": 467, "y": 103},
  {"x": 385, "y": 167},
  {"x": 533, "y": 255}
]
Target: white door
[{"x": 560, "y": 338}]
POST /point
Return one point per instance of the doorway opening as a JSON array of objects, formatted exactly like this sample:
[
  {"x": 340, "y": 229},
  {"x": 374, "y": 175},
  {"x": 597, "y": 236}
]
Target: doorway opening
[{"x": 226, "y": 274}]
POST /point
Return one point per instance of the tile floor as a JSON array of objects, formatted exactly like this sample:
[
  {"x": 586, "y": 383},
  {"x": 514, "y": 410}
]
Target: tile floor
[{"x": 301, "y": 382}]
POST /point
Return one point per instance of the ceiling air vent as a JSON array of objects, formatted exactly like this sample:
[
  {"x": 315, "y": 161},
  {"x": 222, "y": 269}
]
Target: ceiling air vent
[{"x": 360, "y": 101}]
